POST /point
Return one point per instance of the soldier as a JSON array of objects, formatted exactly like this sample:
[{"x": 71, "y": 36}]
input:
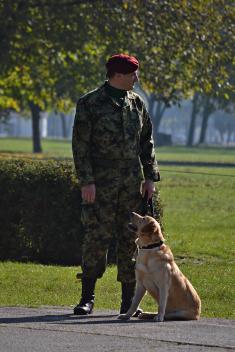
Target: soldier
[{"x": 115, "y": 162}]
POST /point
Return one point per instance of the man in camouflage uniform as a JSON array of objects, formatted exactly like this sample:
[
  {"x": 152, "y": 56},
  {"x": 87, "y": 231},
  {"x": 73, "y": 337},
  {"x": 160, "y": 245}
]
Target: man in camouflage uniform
[{"x": 115, "y": 162}]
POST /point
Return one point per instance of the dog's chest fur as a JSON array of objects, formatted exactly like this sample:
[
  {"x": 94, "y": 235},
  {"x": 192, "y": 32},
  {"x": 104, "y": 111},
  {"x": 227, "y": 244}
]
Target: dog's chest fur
[{"x": 149, "y": 262}]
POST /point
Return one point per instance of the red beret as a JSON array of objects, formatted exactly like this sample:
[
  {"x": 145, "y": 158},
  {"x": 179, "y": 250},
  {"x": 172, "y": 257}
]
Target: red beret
[{"x": 122, "y": 63}]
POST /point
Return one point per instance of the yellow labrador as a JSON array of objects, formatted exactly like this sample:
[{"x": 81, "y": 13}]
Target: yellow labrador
[{"x": 158, "y": 274}]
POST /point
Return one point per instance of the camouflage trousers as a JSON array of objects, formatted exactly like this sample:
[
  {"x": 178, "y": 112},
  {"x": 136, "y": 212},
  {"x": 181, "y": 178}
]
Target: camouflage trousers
[{"x": 117, "y": 194}]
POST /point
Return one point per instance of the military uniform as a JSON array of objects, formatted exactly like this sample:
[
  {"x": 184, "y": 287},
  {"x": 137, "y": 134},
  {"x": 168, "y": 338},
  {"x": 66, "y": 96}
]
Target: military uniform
[{"x": 112, "y": 148}]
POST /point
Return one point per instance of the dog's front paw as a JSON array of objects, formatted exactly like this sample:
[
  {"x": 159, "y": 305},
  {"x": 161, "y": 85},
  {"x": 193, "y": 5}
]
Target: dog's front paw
[
  {"x": 158, "y": 318},
  {"x": 123, "y": 317}
]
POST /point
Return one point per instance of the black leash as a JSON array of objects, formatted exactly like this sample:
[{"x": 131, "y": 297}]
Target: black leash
[{"x": 147, "y": 206}]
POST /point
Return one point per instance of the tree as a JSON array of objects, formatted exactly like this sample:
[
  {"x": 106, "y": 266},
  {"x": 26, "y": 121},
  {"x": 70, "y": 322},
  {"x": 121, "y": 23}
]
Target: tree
[
  {"x": 208, "y": 109},
  {"x": 52, "y": 53},
  {"x": 200, "y": 49},
  {"x": 156, "y": 110},
  {"x": 195, "y": 111},
  {"x": 206, "y": 104},
  {"x": 34, "y": 61},
  {"x": 184, "y": 47},
  {"x": 225, "y": 125}
]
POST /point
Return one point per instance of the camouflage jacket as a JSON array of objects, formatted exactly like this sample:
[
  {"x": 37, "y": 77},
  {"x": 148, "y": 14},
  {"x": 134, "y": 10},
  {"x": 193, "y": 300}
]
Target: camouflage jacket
[{"x": 107, "y": 131}]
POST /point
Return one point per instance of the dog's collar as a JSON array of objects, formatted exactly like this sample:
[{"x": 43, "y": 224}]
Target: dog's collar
[{"x": 153, "y": 245}]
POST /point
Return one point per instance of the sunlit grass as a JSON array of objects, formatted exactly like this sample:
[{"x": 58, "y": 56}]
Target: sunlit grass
[
  {"x": 199, "y": 211},
  {"x": 23, "y": 147},
  {"x": 35, "y": 285},
  {"x": 62, "y": 149},
  {"x": 197, "y": 154}
]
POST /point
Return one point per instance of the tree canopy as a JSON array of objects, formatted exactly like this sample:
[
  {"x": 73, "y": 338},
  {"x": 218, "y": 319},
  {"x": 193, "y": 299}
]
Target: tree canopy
[{"x": 53, "y": 52}]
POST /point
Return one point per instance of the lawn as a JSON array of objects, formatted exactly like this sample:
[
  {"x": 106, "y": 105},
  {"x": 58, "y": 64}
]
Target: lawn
[
  {"x": 62, "y": 149},
  {"x": 197, "y": 154},
  {"x": 199, "y": 225},
  {"x": 14, "y": 147},
  {"x": 199, "y": 210},
  {"x": 35, "y": 285}
]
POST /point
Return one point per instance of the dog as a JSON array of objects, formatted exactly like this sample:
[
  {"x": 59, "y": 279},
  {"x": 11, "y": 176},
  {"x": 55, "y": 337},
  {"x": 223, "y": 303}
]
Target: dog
[{"x": 158, "y": 274}]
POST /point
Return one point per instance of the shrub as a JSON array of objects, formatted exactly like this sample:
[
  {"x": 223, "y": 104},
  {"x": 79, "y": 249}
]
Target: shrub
[{"x": 40, "y": 207}]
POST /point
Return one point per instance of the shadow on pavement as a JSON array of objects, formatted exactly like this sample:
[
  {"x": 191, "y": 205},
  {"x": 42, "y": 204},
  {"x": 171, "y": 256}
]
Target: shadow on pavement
[{"x": 70, "y": 319}]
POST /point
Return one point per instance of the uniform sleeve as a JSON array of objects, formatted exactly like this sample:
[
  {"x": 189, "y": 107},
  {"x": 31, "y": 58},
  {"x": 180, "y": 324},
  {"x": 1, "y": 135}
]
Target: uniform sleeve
[
  {"x": 81, "y": 144},
  {"x": 147, "y": 152}
]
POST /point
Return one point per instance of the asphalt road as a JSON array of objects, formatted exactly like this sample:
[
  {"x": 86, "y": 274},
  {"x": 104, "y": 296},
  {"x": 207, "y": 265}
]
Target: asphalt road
[{"x": 50, "y": 329}]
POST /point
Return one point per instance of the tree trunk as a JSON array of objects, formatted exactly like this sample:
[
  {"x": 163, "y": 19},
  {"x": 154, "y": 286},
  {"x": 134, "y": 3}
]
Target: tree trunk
[
  {"x": 63, "y": 124},
  {"x": 35, "y": 110},
  {"x": 156, "y": 114},
  {"x": 205, "y": 117},
  {"x": 161, "y": 107},
  {"x": 193, "y": 120}
]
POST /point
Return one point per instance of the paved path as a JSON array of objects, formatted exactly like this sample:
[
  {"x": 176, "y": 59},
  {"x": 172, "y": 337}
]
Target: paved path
[{"x": 50, "y": 329}]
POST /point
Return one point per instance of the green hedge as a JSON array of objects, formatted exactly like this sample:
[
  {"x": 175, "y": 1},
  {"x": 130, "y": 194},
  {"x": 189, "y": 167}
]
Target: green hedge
[{"x": 40, "y": 206}]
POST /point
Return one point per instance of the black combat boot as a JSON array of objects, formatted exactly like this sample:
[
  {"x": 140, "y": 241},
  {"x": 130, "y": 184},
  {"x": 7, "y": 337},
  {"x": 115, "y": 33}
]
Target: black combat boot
[
  {"x": 86, "y": 303},
  {"x": 128, "y": 290}
]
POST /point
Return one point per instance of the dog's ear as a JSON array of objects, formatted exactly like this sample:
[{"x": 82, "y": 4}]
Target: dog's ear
[
  {"x": 149, "y": 228},
  {"x": 153, "y": 228}
]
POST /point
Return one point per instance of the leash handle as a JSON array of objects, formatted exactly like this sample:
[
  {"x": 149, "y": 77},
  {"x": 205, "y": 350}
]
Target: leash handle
[{"x": 147, "y": 205}]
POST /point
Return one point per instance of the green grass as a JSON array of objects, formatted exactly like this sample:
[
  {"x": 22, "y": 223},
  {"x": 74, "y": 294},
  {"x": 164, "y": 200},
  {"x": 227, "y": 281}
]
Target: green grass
[
  {"x": 199, "y": 211},
  {"x": 62, "y": 149},
  {"x": 23, "y": 147},
  {"x": 199, "y": 224},
  {"x": 197, "y": 154},
  {"x": 34, "y": 285}
]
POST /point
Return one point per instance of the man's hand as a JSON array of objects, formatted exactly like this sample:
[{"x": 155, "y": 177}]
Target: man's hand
[
  {"x": 88, "y": 193},
  {"x": 147, "y": 186}
]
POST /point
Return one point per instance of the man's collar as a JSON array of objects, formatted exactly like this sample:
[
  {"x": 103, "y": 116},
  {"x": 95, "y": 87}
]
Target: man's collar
[{"x": 104, "y": 96}]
